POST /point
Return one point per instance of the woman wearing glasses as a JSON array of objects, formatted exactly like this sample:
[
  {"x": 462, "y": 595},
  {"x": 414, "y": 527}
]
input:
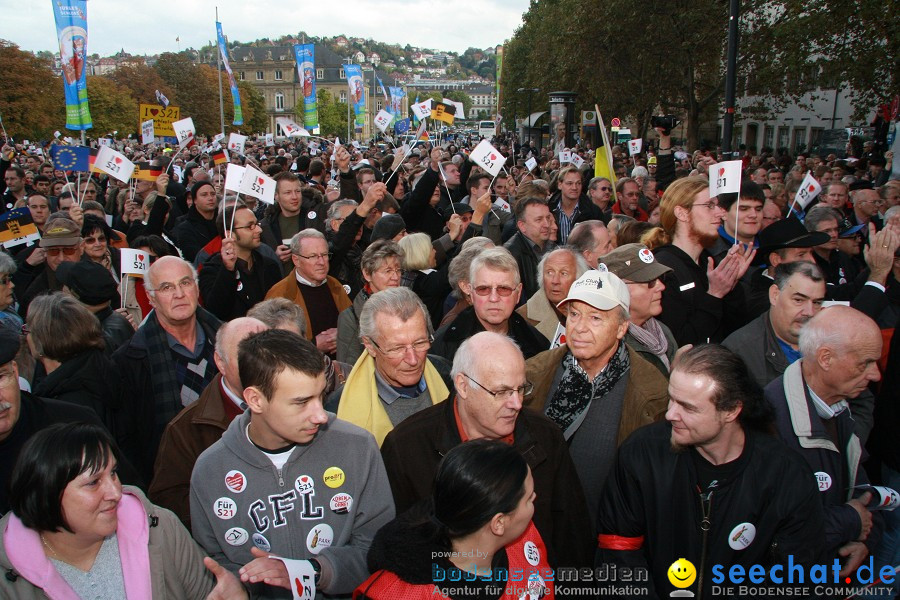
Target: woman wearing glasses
[
  {"x": 381, "y": 266},
  {"x": 476, "y": 526}
]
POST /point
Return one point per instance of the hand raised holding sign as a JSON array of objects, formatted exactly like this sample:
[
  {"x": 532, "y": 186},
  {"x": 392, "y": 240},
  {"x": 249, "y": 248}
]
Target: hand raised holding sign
[
  {"x": 342, "y": 158},
  {"x": 229, "y": 255}
]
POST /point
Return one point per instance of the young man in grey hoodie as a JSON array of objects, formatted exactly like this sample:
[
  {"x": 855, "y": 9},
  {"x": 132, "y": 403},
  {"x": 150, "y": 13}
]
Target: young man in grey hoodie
[{"x": 288, "y": 479}]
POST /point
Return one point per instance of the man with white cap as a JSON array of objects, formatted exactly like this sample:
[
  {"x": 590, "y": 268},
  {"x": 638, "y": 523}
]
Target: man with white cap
[{"x": 596, "y": 388}]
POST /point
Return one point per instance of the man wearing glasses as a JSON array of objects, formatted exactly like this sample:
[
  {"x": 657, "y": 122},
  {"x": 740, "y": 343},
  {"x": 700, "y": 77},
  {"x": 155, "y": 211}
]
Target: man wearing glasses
[
  {"x": 237, "y": 277},
  {"x": 169, "y": 360},
  {"x": 490, "y": 385},
  {"x": 629, "y": 194},
  {"x": 495, "y": 288},
  {"x": 594, "y": 387},
  {"x": 309, "y": 286},
  {"x": 395, "y": 376},
  {"x": 60, "y": 243},
  {"x": 600, "y": 193}
]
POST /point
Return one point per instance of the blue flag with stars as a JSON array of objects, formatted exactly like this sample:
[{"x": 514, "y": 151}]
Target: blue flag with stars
[
  {"x": 71, "y": 158},
  {"x": 402, "y": 126}
]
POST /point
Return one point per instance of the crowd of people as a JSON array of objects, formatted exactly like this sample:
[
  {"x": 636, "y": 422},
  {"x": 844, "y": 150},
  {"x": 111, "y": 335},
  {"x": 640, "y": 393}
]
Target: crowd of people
[{"x": 410, "y": 378}]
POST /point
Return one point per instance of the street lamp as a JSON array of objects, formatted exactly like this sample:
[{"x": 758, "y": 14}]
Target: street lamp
[{"x": 530, "y": 92}]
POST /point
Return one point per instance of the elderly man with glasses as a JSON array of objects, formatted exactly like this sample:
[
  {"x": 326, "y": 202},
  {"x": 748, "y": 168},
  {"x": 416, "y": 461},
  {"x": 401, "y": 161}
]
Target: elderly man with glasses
[
  {"x": 395, "y": 377},
  {"x": 309, "y": 286},
  {"x": 495, "y": 288},
  {"x": 61, "y": 242},
  {"x": 169, "y": 361},
  {"x": 490, "y": 385}
]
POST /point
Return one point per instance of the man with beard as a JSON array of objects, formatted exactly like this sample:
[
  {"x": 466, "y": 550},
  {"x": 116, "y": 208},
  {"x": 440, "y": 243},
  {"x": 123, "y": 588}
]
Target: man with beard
[
  {"x": 711, "y": 457},
  {"x": 237, "y": 277},
  {"x": 694, "y": 298}
]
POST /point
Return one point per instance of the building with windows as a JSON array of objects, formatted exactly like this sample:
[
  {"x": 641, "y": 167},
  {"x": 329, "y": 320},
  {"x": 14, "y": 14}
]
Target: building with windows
[{"x": 273, "y": 70}]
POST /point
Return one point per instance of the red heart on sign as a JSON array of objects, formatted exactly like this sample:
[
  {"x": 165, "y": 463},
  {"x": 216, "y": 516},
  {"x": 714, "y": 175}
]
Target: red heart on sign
[
  {"x": 811, "y": 188},
  {"x": 260, "y": 180},
  {"x": 493, "y": 157},
  {"x": 141, "y": 257},
  {"x": 235, "y": 481},
  {"x": 721, "y": 171},
  {"x": 154, "y": 111},
  {"x": 562, "y": 339},
  {"x": 118, "y": 160}
]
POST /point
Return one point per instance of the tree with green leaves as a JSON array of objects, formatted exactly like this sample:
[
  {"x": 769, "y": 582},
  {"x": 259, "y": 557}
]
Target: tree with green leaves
[{"x": 332, "y": 114}]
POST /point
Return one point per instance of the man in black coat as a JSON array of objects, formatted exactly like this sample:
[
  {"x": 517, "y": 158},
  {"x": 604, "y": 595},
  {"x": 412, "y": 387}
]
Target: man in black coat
[
  {"x": 489, "y": 379},
  {"x": 237, "y": 277},
  {"x": 198, "y": 227},
  {"x": 534, "y": 223},
  {"x": 495, "y": 288}
]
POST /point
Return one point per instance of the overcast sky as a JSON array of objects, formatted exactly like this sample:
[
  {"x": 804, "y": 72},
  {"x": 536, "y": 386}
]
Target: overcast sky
[{"x": 151, "y": 28}]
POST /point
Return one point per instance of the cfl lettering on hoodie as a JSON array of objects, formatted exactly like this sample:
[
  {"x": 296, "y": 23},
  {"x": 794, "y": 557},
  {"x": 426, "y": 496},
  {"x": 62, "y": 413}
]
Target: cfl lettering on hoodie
[{"x": 281, "y": 504}]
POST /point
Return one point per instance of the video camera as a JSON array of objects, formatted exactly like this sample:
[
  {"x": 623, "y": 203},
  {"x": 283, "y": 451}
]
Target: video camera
[{"x": 667, "y": 122}]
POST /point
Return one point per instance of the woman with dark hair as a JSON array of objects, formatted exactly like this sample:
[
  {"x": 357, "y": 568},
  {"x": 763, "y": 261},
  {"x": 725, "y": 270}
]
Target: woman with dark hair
[
  {"x": 476, "y": 527},
  {"x": 75, "y": 532},
  {"x": 66, "y": 338},
  {"x": 97, "y": 234}
]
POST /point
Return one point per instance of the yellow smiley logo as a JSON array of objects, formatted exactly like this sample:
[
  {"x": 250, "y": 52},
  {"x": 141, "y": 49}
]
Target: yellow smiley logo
[{"x": 682, "y": 573}]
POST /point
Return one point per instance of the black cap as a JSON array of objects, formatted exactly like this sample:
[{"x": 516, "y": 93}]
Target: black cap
[
  {"x": 787, "y": 233},
  {"x": 387, "y": 227},
  {"x": 91, "y": 283}
]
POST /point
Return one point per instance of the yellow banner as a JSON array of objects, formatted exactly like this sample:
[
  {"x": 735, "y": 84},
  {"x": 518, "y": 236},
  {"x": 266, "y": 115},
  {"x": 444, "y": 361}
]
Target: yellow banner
[{"x": 162, "y": 118}]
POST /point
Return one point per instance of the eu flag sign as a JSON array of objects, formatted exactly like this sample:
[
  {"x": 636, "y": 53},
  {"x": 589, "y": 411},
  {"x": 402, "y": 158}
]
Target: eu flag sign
[{"x": 70, "y": 158}]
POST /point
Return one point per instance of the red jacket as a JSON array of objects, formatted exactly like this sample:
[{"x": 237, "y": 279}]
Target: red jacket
[{"x": 528, "y": 571}]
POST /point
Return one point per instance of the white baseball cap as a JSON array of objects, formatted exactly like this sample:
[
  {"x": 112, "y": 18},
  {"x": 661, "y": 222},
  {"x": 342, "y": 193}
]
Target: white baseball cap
[{"x": 600, "y": 289}]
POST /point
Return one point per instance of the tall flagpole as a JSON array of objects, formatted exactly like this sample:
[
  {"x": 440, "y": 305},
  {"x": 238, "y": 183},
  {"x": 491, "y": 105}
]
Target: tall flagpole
[{"x": 221, "y": 102}]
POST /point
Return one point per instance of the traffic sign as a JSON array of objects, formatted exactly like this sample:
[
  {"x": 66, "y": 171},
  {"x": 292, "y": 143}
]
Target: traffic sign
[{"x": 616, "y": 122}]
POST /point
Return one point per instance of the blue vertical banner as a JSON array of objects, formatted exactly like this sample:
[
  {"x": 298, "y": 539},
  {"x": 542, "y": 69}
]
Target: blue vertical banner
[
  {"x": 396, "y": 105},
  {"x": 357, "y": 94},
  {"x": 71, "y": 30},
  {"x": 223, "y": 51},
  {"x": 305, "y": 55}
]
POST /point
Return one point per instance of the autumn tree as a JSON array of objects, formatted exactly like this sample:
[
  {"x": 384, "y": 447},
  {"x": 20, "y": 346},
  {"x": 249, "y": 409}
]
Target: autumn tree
[
  {"x": 194, "y": 91},
  {"x": 31, "y": 97},
  {"x": 141, "y": 81},
  {"x": 112, "y": 107}
]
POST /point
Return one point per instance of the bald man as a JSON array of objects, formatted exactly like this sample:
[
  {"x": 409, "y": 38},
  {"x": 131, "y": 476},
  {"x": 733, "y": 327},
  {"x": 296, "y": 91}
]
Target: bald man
[
  {"x": 489, "y": 381},
  {"x": 817, "y": 402},
  {"x": 201, "y": 423}
]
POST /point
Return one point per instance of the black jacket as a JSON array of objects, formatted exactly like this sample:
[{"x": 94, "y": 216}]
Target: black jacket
[
  {"x": 770, "y": 488},
  {"x": 193, "y": 232},
  {"x": 432, "y": 288},
  {"x": 116, "y": 329},
  {"x": 35, "y": 414},
  {"x": 230, "y": 294},
  {"x": 691, "y": 313},
  {"x": 413, "y": 450},
  {"x": 346, "y": 253},
  {"x": 466, "y": 324},
  {"x": 520, "y": 247},
  {"x": 417, "y": 212},
  {"x": 833, "y": 462}
]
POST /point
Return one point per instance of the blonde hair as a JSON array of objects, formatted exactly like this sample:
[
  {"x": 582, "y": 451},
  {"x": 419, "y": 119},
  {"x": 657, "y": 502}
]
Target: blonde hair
[
  {"x": 681, "y": 192},
  {"x": 416, "y": 251},
  {"x": 656, "y": 237}
]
